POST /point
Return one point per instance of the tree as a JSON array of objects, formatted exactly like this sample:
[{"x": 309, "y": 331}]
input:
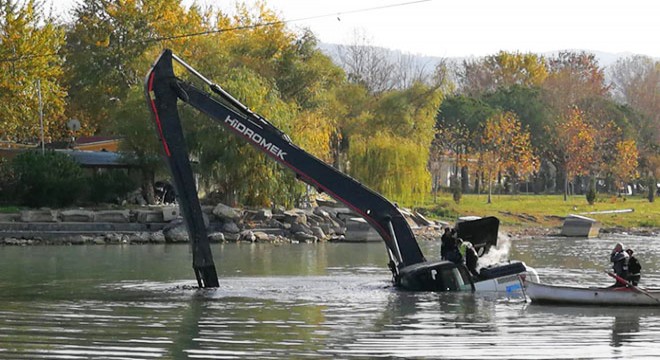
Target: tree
[
  {"x": 506, "y": 147},
  {"x": 140, "y": 144},
  {"x": 503, "y": 69},
  {"x": 390, "y": 151},
  {"x": 572, "y": 76},
  {"x": 30, "y": 69},
  {"x": 576, "y": 143},
  {"x": 391, "y": 165},
  {"x": 367, "y": 65},
  {"x": 527, "y": 103},
  {"x": 458, "y": 126},
  {"x": 109, "y": 46},
  {"x": 624, "y": 168},
  {"x": 636, "y": 82},
  {"x": 305, "y": 75}
]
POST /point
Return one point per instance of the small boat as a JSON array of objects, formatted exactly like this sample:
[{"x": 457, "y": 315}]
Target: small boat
[{"x": 560, "y": 294}]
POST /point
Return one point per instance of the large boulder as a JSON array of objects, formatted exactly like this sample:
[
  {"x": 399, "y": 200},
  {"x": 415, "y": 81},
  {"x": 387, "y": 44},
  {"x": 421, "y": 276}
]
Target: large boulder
[
  {"x": 112, "y": 216},
  {"x": 170, "y": 213},
  {"x": 230, "y": 227},
  {"x": 259, "y": 215},
  {"x": 225, "y": 212},
  {"x": 294, "y": 217},
  {"x": 301, "y": 236},
  {"x": 77, "y": 215},
  {"x": 157, "y": 237},
  {"x": 318, "y": 232},
  {"x": 176, "y": 233},
  {"x": 217, "y": 237},
  {"x": 247, "y": 235},
  {"x": 149, "y": 216},
  {"x": 45, "y": 215},
  {"x": 261, "y": 236},
  {"x": 295, "y": 227}
]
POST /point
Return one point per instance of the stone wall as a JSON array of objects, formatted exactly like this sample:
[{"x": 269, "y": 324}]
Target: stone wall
[{"x": 165, "y": 225}]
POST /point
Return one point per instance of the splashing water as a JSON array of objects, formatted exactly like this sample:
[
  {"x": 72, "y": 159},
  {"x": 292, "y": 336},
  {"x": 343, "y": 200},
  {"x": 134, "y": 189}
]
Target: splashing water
[{"x": 498, "y": 254}]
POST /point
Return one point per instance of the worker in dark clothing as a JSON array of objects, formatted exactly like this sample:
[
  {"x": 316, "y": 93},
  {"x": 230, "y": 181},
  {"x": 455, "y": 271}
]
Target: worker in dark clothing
[
  {"x": 619, "y": 259},
  {"x": 471, "y": 258},
  {"x": 446, "y": 242},
  {"x": 450, "y": 243},
  {"x": 634, "y": 268}
]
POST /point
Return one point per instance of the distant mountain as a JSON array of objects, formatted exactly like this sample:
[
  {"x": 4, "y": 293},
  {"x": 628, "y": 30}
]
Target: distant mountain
[{"x": 605, "y": 59}]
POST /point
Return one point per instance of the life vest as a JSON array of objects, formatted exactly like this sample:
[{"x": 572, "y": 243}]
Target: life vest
[{"x": 463, "y": 248}]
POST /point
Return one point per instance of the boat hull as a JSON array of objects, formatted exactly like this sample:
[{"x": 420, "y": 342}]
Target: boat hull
[
  {"x": 556, "y": 294},
  {"x": 448, "y": 276}
]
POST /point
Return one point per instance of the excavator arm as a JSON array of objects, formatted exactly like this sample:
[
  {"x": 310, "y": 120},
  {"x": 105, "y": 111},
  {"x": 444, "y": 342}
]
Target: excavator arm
[{"x": 164, "y": 90}]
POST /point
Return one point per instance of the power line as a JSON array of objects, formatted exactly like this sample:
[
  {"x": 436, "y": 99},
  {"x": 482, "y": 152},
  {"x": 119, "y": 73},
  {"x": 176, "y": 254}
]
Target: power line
[
  {"x": 287, "y": 21},
  {"x": 218, "y": 31}
]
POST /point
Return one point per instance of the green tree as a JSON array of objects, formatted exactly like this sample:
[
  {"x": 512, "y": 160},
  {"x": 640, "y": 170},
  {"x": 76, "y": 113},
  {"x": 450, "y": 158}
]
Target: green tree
[
  {"x": 458, "y": 125},
  {"x": 391, "y": 165},
  {"x": 398, "y": 118},
  {"x": 50, "y": 179},
  {"x": 527, "y": 103},
  {"x": 503, "y": 69},
  {"x": 29, "y": 44},
  {"x": 111, "y": 44},
  {"x": 140, "y": 145}
]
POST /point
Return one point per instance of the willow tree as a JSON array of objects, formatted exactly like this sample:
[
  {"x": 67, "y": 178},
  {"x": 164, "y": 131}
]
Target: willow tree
[
  {"x": 393, "y": 143},
  {"x": 391, "y": 165},
  {"x": 30, "y": 73}
]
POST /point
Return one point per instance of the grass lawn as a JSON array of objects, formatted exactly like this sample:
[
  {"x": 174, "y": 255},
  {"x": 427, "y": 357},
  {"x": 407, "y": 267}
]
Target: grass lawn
[
  {"x": 545, "y": 210},
  {"x": 6, "y": 209}
]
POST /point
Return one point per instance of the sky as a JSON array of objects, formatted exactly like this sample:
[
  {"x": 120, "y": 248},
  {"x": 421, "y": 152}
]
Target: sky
[{"x": 460, "y": 28}]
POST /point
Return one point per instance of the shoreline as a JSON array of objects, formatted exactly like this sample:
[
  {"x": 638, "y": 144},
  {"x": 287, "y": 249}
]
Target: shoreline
[
  {"x": 163, "y": 225},
  {"x": 431, "y": 233}
]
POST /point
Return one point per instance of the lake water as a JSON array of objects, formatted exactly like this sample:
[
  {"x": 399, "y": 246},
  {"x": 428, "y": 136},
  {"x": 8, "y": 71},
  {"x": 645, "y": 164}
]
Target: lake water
[{"x": 305, "y": 301}]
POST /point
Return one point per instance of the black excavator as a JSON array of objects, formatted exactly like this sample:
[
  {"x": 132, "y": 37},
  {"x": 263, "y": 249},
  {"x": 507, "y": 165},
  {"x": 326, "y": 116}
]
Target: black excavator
[{"x": 410, "y": 269}]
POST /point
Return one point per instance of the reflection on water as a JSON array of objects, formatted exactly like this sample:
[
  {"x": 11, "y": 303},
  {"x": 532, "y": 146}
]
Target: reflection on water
[{"x": 304, "y": 301}]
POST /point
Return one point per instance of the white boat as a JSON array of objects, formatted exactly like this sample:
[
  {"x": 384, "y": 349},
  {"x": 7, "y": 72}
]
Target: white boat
[{"x": 560, "y": 294}]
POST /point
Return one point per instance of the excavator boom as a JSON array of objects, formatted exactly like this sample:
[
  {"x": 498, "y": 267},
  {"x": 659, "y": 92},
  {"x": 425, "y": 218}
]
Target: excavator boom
[{"x": 164, "y": 90}]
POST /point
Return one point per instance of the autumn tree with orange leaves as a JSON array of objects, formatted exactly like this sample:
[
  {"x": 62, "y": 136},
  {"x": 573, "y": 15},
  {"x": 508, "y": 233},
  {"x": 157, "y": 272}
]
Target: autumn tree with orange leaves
[
  {"x": 506, "y": 148},
  {"x": 576, "y": 144},
  {"x": 624, "y": 168}
]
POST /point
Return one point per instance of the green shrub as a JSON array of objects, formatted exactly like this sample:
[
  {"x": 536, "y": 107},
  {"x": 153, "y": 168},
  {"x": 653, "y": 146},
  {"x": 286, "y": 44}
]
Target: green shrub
[
  {"x": 50, "y": 179},
  {"x": 7, "y": 181},
  {"x": 109, "y": 186},
  {"x": 456, "y": 192},
  {"x": 652, "y": 188},
  {"x": 591, "y": 192}
]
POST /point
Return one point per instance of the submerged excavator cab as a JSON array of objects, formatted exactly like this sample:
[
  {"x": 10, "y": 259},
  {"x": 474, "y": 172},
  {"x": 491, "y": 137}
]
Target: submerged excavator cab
[{"x": 409, "y": 267}]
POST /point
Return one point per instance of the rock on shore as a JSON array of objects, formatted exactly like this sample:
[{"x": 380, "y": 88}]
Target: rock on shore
[{"x": 163, "y": 224}]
